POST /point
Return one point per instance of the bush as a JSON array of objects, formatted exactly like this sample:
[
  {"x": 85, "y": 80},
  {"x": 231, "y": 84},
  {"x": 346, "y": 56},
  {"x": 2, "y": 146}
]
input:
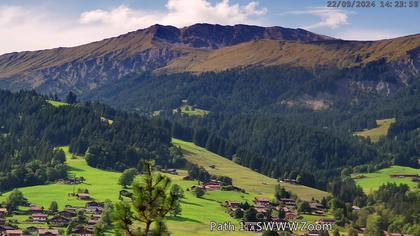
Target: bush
[{"x": 199, "y": 192}]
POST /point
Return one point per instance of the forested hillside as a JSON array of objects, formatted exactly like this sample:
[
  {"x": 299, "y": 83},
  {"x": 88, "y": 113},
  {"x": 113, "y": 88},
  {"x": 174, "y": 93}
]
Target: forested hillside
[
  {"x": 284, "y": 121},
  {"x": 31, "y": 128}
]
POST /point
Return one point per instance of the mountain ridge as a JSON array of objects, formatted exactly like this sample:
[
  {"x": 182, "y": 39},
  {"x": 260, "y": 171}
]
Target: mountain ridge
[{"x": 197, "y": 48}]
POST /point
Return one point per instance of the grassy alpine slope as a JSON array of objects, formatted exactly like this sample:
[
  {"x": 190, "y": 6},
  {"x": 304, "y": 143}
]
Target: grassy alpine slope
[
  {"x": 57, "y": 103},
  {"x": 102, "y": 185},
  {"x": 242, "y": 177},
  {"x": 372, "y": 181},
  {"x": 196, "y": 212},
  {"x": 376, "y": 133}
]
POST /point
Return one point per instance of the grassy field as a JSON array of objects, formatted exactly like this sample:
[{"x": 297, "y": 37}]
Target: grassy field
[
  {"x": 243, "y": 177},
  {"x": 376, "y": 133},
  {"x": 105, "y": 187},
  {"x": 372, "y": 181},
  {"x": 102, "y": 185},
  {"x": 57, "y": 103},
  {"x": 106, "y": 120},
  {"x": 190, "y": 111},
  {"x": 196, "y": 212}
]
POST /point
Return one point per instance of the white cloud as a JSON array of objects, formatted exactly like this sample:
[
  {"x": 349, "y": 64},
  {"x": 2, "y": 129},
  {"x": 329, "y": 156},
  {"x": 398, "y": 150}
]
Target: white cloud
[
  {"x": 328, "y": 18},
  {"x": 179, "y": 13},
  {"x": 120, "y": 17},
  {"x": 10, "y": 14},
  {"x": 36, "y": 28},
  {"x": 366, "y": 34}
]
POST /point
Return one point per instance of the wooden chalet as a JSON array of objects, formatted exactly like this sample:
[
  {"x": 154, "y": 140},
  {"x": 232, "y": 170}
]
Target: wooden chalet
[
  {"x": 92, "y": 222},
  {"x": 96, "y": 216},
  {"x": 59, "y": 220},
  {"x": 39, "y": 217},
  {"x": 262, "y": 201},
  {"x": 48, "y": 232},
  {"x": 14, "y": 232},
  {"x": 82, "y": 231},
  {"x": 71, "y": 181},
  {"x": 325, "y": 221},
  {"x": 71, "y": 208},
  {"x": 3, "y": 229},
  {"x": 36, "y": 209},
  {"x": 288, "y": 202},
  {"x": 316, "y": 206},
  {"x": 83, "y": 196},
  {"x": 67, "y": 213},
  {"x": 94, "y": 205},
  {"x": 290, "y": 215},
  {"x": 212, "y": 185}
]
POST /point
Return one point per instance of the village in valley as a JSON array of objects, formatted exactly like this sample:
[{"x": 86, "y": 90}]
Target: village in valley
[
  {"x": 26, "y": 218},
  {"x": 19, "y": 216},
  {"x": 51, "y": 221}
]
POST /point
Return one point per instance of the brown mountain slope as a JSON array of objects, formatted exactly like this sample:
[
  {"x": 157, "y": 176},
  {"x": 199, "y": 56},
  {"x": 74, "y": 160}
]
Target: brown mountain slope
[
  {"x": 198, "y": 48},
  {"x": 272, "y": 52},
  {"x": 152, "y": 38}
]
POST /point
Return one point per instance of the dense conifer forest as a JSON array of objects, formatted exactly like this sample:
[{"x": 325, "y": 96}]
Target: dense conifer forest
[
  {"x": 251, "y": 118},
  {"x": 32, "y": 129}
]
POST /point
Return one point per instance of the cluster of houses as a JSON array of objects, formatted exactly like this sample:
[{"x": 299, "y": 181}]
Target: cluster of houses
[
  {"x": 404, "y": 175},
  {"x": 414, "y": 177},
  {"x": 287, "y": 205},
  {"x": 72, "y": 181},
  {"x": 37, "y": 215}
]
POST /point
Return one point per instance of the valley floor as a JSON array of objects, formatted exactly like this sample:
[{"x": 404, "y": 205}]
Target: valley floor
[{"x": 197, "y": 213}]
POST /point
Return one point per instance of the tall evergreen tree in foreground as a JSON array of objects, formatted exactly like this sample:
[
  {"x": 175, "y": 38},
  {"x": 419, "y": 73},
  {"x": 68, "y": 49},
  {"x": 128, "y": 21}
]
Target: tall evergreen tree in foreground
[{"x": 152, "y": 200}]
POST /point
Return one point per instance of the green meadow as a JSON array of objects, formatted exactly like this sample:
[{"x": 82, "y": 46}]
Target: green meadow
[
  {"x": 376, "y": 133},
  {"x": 57, "y": 103},
  {"x": 102, "y": 185},
  {"x": 191, "y": 111},
  {"x": 372, "y": 181},
  {"x": 197, "y": 213},
  {"x": 255, "y": 183}
]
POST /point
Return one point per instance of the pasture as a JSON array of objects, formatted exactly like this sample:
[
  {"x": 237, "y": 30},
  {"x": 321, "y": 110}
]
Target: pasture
[
  {"x": 376, "y": 133},
  {"x": 102, "y": 185},
  {"x": 372, "y": 181},
  {"x": 197, "y": 213},
  {"x": 57, "y": 103},
  {"x": 192, "y": 111},
  {"x": 254, "y": 183}
]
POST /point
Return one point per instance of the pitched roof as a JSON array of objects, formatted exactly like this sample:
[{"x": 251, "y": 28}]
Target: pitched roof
[{"x": 51, "y": 231}]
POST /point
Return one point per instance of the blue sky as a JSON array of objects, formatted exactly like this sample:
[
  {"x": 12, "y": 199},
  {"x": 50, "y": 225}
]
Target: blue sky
[{"x": 31, "y": 25}]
